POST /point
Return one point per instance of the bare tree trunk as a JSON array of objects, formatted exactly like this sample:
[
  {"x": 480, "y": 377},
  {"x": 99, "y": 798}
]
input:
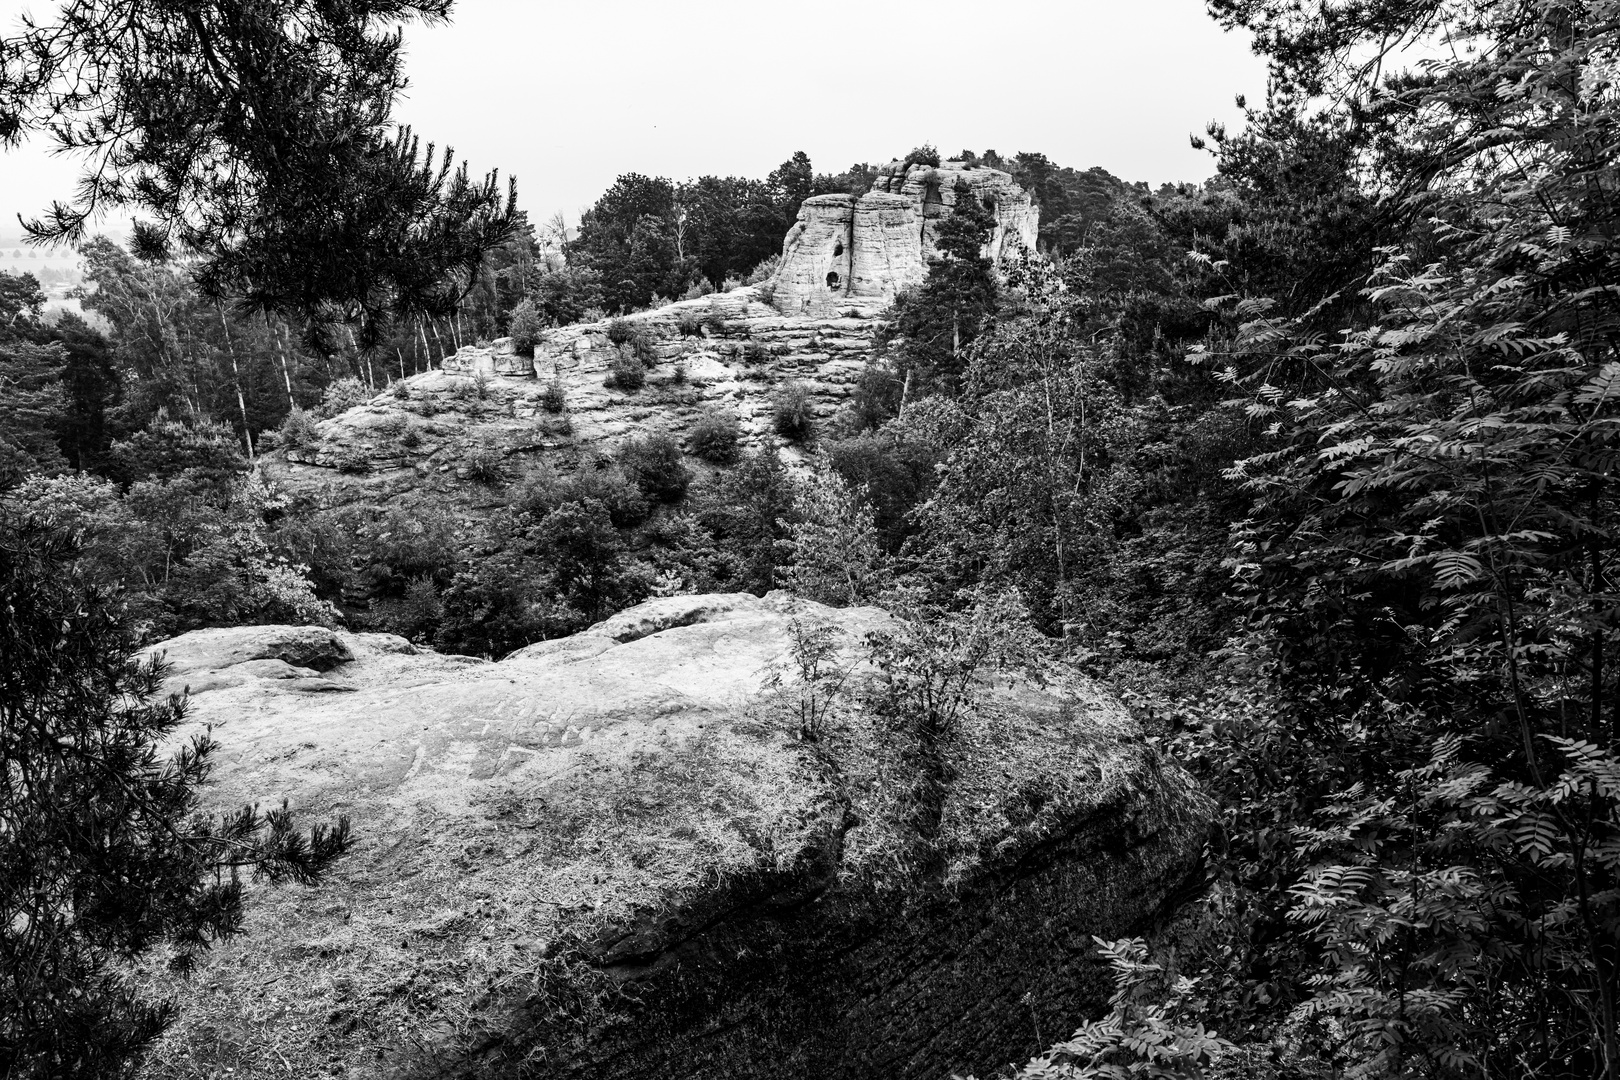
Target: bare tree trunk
[
  {"x": 236, "y": 379},
  {"x": 426, "y": 350},
  {"x": 286, "y": 373}
]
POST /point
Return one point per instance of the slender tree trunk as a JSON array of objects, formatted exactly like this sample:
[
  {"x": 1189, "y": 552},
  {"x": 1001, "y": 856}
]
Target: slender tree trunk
[
  {"x": 286, "y": 373},
  {"x": 236, "y": 378},
  {"x": 426, "y": 351}
]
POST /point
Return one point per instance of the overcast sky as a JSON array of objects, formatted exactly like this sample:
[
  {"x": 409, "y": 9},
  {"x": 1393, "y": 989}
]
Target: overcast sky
[{"x": 569, "y": 95}]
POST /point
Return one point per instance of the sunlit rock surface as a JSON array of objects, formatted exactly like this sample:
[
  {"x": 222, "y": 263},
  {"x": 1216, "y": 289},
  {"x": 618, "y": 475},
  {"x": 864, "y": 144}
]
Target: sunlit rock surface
[
  {"x": 873, "y": 246},
  {"x": 611, "y": 856}
]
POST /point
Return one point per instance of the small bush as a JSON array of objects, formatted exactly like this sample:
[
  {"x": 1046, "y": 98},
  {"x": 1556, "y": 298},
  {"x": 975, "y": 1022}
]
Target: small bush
[
  {"x": 480, "y": 385},
  {"x": 391, "y": 426},
  {"x": 297, "y": 431},
  {"x": 767, "y": 292},
  {"x": 411, "y": 437},
  {"x": 690, "y": 324},
  {"x": 552, "y": 398},
  {"x": 344, "y": 395},
  {"x": 414, "y": 616},
  {"x": 701, "y": 287},
  {"x": 715, "y": 324},
  {"x": 429, "y": 407},
  {"x": 790, "y": 412},
  {"x": 353, "y": 460},
  {"x": 653, "y": 464},
  {"x": 731, "y": 283},
  {"x": 678, "y": 375},
  {"x": 620, "y": 331},
  {"x": 556, "y": 425},
  {"x": 754, "y": 353},
  {"x": 399, "y": 391},
  {"x": 765, "y": 271},
  {"x": 641, "y": 347},
  {"x": 486, "y": 464},
  {"x": 526, "y": 327},
  {"x": 626, "y": 373},
  {"x": 715, "y": 437},
  {"x": 923, "y": 155}
]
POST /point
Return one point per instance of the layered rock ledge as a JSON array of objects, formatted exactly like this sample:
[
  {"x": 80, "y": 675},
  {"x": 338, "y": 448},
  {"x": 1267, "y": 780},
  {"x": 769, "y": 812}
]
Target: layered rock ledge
[{"x": 611, "y": 856}]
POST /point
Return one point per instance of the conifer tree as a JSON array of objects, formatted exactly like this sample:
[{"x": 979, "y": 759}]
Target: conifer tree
[
  {"x": 941, "y": 320},
  {"x": 105, "y": 851}
]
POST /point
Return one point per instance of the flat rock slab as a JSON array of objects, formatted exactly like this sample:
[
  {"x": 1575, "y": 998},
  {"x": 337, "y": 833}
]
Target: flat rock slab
[{"x": 612, "y": 856}]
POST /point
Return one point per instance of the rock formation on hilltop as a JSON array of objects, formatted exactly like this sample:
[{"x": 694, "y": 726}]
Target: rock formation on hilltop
[
  {"x": 729, "y": 352},
  {"x": 609, "y": 856},
  {"x": 876, "y": 244}
]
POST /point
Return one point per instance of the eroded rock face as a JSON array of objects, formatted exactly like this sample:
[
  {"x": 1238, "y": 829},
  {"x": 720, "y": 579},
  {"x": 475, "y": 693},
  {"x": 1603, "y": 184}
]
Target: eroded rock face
[
  {"x": 875, "y": 245},
  {"x": 610, "y": 856},
  {"x": 934, "y": 191},
  {"x": 496, "y": 358}
]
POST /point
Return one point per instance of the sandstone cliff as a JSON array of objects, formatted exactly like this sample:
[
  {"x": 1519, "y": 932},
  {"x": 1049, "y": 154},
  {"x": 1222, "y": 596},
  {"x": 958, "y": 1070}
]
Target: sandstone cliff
[
  {"x": 873, "y": 246},
  {"x": 607, "y": 856}
]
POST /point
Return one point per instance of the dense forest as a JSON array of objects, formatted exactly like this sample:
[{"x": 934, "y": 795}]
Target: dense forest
[{"x": 1311, "y": 462}]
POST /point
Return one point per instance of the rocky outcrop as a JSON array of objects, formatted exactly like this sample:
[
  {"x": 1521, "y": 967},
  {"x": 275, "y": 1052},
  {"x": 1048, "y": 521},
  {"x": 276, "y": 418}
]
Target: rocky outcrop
[
  {"x": 497, "y": 358},
  {"x": 728, "y": 352},
  {"x": 879, "y": 243},
  {"x": 843, "y": 263},
  {"x": 610, "y": 856},
  {"x": 933, "y": 190}
]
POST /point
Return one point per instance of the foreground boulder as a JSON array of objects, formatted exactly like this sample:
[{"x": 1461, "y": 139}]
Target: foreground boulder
[{"x": 612, "y": 856}]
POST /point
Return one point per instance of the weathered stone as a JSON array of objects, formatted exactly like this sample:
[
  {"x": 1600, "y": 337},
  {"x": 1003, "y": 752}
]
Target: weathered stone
[
  {"x": 205, "y": 651},
  {"x": 611, "y": 857},
  {"x": 880, "y": 243},
  {"x": 497, "y": 358},
  {"x": 1017, "y": 218}
]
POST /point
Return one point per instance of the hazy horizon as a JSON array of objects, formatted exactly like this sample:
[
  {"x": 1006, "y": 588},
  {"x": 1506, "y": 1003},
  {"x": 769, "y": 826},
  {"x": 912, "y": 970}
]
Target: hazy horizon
[{"x": 569, "y": 98}]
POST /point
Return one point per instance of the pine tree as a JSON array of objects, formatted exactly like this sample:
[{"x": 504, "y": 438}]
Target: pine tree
[
  {"x": 106, "y": 854},
  {"x": 941, "y": 320}
]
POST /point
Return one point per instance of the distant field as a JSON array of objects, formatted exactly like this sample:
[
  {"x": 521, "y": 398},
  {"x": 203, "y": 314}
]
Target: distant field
[{"x": 17, "y": 257}]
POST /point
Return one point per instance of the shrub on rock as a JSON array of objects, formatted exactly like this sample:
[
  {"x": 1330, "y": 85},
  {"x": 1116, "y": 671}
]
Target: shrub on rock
[
  {"x": 715, "y": 437},
  {"x": 526, "y": 327},
  {"x": 552, "y": 398},
  {"x": 343, "y": 395},
  {"x": 626, "y": 373},
  {"x": 790, "y": 412},
  {"x": 297, "y": 431},
  {"x": 486, "y": 464}
]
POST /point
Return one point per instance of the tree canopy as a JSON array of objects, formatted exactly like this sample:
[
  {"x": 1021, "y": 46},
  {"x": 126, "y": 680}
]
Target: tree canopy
[{"x": 259, "y": 137}]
